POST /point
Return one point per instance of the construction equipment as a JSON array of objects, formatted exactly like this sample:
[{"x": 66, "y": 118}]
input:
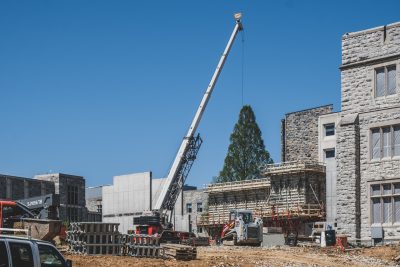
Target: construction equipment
[
  {"x": 44, "y": 207},
  {"x": 241, "y": 229},
  {"x": 160, "y": 217},
  {"x": 16, "y": 215}
]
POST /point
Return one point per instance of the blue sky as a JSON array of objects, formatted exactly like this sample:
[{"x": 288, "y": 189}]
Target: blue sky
[{"x": 103, "y": 88}]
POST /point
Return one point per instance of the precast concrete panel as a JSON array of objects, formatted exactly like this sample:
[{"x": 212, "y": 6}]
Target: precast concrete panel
[{"x": 157, "y": 185}]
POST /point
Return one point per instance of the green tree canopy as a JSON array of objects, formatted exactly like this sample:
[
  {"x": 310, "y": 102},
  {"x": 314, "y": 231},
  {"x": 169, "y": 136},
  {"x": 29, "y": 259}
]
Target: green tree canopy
[{"x": 246, "y": 152}]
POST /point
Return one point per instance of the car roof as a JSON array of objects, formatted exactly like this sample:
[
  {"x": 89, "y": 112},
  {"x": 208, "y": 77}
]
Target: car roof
[{"x": 22, "y": 238}]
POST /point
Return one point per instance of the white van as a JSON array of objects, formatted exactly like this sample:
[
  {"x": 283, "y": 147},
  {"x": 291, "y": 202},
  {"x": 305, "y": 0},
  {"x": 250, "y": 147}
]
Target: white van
[{"x": 25, "y": 252}]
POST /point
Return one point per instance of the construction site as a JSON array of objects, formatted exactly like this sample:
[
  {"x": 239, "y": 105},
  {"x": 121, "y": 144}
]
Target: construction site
[{"x": 330, "y": 201}]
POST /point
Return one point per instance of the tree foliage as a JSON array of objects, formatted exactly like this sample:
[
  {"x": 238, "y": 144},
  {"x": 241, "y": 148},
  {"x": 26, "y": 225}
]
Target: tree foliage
[{"x": 246, "y": 152}]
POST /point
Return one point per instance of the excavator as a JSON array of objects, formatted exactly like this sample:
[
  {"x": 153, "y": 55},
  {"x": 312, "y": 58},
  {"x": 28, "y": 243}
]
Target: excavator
[
  {"x": 159, "y": 219},
  {"x": 38, "y": 215}
]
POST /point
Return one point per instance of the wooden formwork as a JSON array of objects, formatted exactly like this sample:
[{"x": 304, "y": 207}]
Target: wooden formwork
[{"x": 179, "y": 251}]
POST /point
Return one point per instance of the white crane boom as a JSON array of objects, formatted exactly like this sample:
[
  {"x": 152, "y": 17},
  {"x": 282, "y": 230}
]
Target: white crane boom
[{"x": 190, "y": 144}]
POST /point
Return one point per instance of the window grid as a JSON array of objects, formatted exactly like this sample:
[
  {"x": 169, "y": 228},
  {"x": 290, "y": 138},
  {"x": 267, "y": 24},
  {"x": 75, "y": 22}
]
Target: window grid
[
  {"x": 189, "y": 207},
  {"x": 385, "y": 203},
  {"x": 200, "y": 207},
  {"x": 385, "y": 142},
  {"x": 329, "y": 129},
  {"x": 385, "y": 81}
]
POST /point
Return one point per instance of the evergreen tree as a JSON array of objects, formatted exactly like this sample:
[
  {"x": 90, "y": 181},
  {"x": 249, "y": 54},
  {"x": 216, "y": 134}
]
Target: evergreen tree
[{"x": 246, "y": 152}]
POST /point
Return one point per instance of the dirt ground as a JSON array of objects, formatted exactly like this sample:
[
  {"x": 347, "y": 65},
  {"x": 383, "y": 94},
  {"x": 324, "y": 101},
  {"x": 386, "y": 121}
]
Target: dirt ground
[{"x": 250, "y": 256}]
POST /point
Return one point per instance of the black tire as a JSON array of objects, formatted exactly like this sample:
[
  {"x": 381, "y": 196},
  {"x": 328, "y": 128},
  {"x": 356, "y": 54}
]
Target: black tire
[{"x": 234, "y": 238}]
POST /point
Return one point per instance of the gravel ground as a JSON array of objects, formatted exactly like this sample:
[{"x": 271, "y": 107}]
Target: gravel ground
[{"x": 249, "y": 256}]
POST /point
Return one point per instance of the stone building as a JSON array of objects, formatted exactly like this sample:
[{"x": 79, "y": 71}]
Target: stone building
[
  {"x": 94, "y": 205},
  {"x": 14, "y": 188},
  {"x": 71, "y": 189},
  {"x": 368, "y": 136},
  {"x": 299, "y": 134}
]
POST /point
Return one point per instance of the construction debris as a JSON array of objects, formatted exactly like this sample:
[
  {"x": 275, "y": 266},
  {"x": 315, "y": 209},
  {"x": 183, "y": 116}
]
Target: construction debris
[{"x": 179, "y": 251}]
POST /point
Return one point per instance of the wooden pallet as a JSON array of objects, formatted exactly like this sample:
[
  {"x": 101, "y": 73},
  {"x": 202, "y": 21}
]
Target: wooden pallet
[{"x": 179, "y": 251}]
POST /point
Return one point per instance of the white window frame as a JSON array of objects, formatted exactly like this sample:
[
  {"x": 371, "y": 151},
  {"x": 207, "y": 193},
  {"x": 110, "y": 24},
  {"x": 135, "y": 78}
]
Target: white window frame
[
  {"x": 386, "y": 77},
  {"x": 381, "y": 196},
  {"x": 187, "y": 207},
  {"x": 328, "y": 150},
  {"x": 392, "y": 144},
  {"x": 334, "y": 129}
]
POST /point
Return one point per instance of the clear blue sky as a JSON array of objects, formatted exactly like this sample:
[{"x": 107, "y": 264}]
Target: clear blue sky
[{"x": 103, "y": 88}]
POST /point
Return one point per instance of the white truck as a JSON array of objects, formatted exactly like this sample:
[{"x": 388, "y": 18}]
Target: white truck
[
  {"x": 242, "y": 229},
  {"x": 27, "y": 252}
]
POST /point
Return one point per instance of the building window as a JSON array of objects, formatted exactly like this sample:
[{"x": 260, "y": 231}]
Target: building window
[
  {"x": 72, "y": 197},
  {"x": 385, "y": 81},
  {"x": 199, "y": 230},
  {"x": 329, "y": 129},
  {"x": 329, "y": 153},
  {"x": 189, "y": 207},
  {"x": 385, "y": 203},
  {"x": 199, "y": 207},
  {"x": 385, "y": 142},
  {"x": 99, "y": 208}
]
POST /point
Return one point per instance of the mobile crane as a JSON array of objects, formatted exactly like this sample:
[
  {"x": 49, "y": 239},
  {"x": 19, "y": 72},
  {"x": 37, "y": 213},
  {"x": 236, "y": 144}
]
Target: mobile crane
[{"x": 160, "y": 217}]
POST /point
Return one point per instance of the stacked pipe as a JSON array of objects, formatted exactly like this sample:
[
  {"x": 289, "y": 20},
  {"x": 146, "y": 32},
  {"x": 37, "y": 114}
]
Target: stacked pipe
[
  {"x": 139, "y": 245},
  {"x": 94, "y": 238}
]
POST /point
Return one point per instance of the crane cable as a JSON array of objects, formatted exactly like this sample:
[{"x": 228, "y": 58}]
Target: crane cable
[{"x": 242, "y": 62}]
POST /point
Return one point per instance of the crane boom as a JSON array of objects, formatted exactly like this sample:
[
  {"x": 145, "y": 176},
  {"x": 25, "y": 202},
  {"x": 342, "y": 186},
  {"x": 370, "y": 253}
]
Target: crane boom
[{"x": 191, "y": 144}]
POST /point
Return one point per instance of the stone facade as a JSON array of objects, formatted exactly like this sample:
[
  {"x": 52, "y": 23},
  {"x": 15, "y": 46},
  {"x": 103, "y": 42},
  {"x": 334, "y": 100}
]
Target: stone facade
[
  {"x": 362, "y": 53},
  {"x": 14, "y": 188},
  {"x": 299, "y": 133},
  {"x": 71, "y": 189}
]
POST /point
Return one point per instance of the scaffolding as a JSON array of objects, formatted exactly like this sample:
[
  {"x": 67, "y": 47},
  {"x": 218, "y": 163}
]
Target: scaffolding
[{"x": 289, "y": 191}]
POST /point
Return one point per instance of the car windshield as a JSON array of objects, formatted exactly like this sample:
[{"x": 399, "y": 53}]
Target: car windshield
[{"x": 49, "y": 257}]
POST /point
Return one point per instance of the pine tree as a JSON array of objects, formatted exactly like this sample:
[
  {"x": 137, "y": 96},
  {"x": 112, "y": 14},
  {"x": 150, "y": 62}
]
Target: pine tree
[{"x": 246, "y": 152}]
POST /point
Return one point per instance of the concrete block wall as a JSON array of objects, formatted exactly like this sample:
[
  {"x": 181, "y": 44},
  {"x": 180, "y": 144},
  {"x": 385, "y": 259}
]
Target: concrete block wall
[
  {"x": 362, "y": 53},
  {"x": 185, "y": 221},
  {"x": 128, "y": 197}
]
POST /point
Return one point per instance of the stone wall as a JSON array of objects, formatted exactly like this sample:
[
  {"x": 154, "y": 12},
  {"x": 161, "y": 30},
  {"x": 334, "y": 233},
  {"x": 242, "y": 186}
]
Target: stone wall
[
  {"x": 362, "y": 53},
  {"x": 61, "y": 182},
  {"x": 300, "y": 134}
]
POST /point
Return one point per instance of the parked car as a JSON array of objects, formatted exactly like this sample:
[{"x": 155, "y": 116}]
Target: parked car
[{"x": 26, "y": 252}]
